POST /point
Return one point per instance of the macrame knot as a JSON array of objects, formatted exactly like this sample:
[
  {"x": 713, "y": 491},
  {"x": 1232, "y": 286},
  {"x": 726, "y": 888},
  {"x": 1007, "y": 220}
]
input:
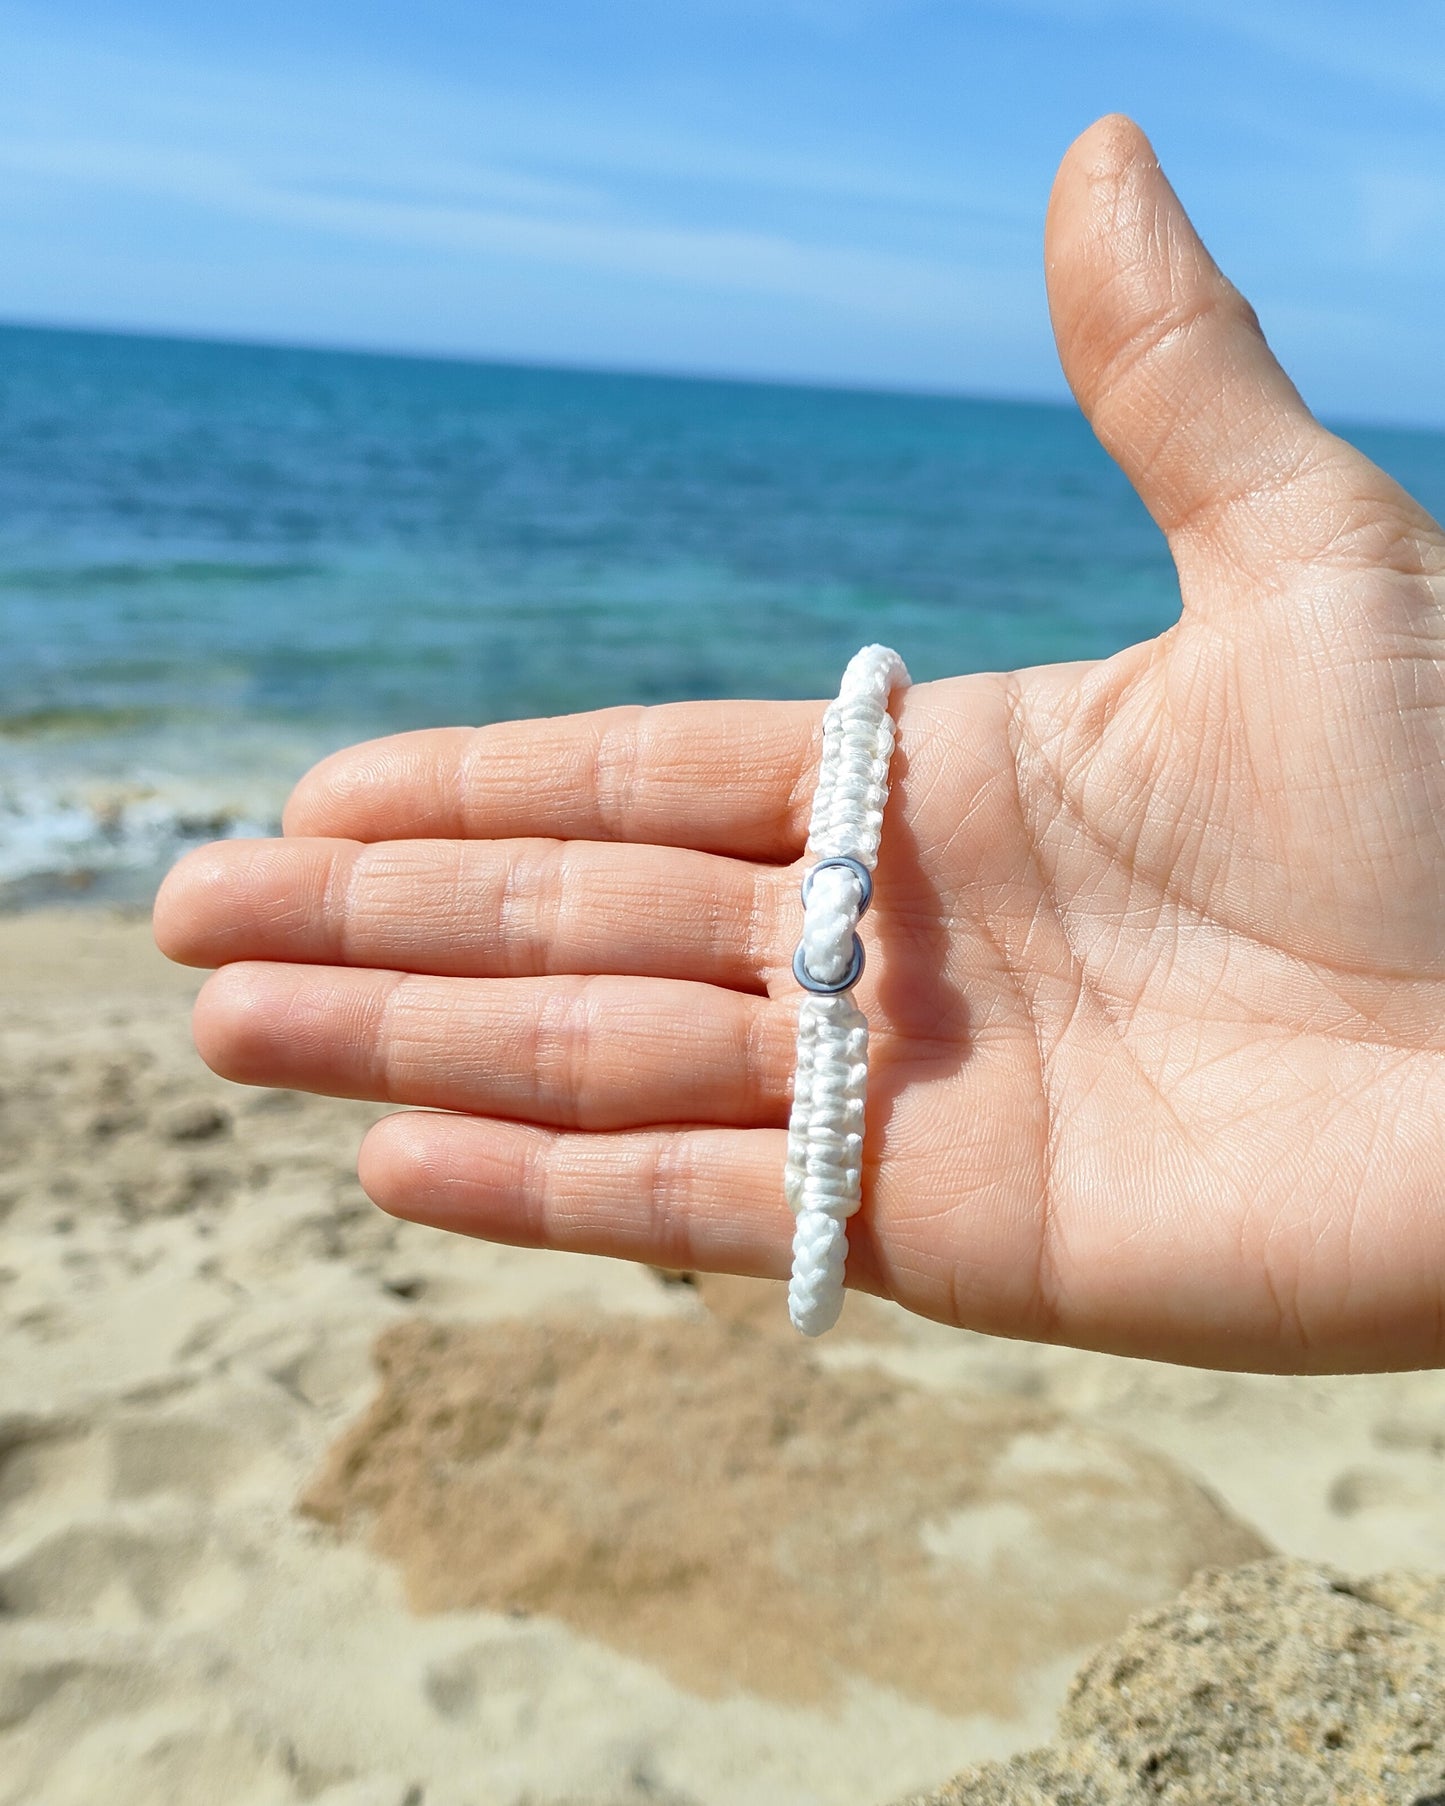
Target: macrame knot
[{"x": 824, "y": 1174}]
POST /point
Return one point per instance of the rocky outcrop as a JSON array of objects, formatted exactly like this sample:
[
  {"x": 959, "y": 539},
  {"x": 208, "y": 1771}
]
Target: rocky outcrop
[{"x": 1278, "y": 1682}]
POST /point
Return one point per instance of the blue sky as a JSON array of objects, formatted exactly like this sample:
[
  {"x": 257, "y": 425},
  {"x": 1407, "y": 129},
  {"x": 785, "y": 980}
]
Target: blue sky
[{"x": 842, "y": 190}]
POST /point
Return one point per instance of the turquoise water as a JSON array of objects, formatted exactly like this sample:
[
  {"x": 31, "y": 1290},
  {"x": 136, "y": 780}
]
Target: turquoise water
[{"x": 219, "y": 561}]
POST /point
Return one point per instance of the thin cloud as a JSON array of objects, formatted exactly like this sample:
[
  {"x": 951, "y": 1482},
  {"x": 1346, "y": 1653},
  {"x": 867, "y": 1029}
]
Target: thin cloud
[{"x": 890, "y": 286}]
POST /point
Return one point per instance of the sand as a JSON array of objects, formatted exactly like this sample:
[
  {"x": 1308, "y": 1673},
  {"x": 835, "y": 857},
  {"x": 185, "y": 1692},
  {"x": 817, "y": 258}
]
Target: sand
[{"x": 299, "y": 1503}]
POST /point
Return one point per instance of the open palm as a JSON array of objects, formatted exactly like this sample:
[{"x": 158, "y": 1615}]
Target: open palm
[{"x": 1157, "y": 962}]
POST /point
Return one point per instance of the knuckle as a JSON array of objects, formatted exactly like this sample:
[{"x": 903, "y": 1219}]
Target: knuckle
[
  {"x": 563, "y": 1046},
  {"x": 666, "y": 1188},
  {"x": 534, "y": 906},
  {"x": 620, "y": 756},
  {"x": 395, "y": 1046}
]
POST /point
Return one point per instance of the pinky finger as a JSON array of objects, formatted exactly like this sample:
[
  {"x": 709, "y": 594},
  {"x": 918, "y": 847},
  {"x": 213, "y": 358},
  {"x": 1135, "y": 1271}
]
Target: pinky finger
[{"x": 705, "y": 1199}]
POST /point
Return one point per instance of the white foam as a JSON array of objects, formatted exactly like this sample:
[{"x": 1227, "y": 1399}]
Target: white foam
[{"x": 75, "y": 830}]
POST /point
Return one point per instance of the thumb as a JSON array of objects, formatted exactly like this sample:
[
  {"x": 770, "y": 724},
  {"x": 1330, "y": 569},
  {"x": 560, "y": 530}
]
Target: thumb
[{"x": 1168, "y": 362}]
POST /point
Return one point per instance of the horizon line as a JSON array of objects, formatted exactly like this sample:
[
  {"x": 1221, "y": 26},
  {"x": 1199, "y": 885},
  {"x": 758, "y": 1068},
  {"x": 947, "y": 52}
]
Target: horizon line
[
  {"x": 819, "y": 385},
  {"x": 559, "y": 366}
]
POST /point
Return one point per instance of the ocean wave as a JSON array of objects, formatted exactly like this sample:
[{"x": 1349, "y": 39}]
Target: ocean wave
[
  {"x": 66, "y": 720},
  {"x": 115, "y": 840}
]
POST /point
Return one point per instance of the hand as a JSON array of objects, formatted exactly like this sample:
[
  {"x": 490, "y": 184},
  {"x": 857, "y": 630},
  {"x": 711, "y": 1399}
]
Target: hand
[{"x": 1157, "y": 963}]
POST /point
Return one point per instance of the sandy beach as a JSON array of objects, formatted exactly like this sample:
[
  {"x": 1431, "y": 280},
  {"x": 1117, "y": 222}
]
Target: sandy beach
[{"x": 298, "y": 1503}]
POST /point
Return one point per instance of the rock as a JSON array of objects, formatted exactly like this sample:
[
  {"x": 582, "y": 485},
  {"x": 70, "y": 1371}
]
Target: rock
[
  {"x": 194, "y": 1120},
  {"x": 1279, "y": 1682}
]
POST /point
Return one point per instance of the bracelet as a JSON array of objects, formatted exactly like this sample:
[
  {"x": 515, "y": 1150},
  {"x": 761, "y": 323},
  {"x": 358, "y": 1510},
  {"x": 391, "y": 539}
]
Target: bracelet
[{"x": 824, "y": 1174}]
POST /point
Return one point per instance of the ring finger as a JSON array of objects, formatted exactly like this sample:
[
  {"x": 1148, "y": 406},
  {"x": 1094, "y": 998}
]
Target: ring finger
[{"x": 584, "y": 1053}]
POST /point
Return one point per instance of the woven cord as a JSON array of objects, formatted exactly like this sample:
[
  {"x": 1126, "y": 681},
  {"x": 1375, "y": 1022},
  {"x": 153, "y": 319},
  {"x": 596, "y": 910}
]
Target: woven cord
[{"x": 824, "y": 1174}]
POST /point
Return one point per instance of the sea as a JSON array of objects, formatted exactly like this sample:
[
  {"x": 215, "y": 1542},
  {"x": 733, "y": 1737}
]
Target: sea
[{"x": 219, "y": 562}]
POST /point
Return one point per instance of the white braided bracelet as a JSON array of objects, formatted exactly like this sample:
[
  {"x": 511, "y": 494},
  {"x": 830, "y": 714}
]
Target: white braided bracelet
[{"x": 824, "y": 1175}]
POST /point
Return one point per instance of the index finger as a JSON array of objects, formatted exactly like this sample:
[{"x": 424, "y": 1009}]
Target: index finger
[{"x": 723, "y": 777}]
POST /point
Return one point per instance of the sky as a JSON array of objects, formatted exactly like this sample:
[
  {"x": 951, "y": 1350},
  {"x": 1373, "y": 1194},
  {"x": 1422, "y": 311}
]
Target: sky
[{"x": 845, "y": 191}]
